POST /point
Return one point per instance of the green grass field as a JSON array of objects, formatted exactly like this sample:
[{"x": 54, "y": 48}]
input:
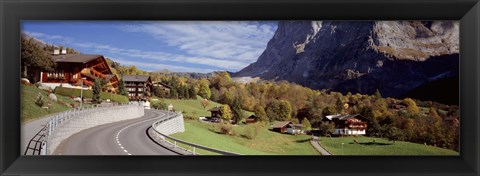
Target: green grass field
[
  {"x": 266, "y": 142},
  {"x": 31, "y": 111},
  {"x": 381, "y": 147},
  {"x": 195, "y": 108}
]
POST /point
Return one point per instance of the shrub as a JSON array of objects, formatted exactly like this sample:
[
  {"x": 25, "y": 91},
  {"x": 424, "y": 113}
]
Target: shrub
[
  {"x": 70, "y": 92},
  {"x": 226, "y": 128},
  {"x": 158, "y": 104},
  {"x": 251, "y": 131},
  {"x": 40, "y": 101}
]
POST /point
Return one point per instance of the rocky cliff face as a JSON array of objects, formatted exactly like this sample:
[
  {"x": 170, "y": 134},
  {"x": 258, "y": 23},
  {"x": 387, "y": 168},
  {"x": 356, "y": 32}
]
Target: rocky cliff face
[{"x": 360, "y": 56}]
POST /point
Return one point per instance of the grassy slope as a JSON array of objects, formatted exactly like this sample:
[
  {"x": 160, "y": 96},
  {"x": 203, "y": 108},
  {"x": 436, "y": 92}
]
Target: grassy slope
[
  {"x": 266, "y": 143},
  {"x": 192, "y": 107},
  {"x": 30, "y": 111},
  {"x": 383, "y": 147}
]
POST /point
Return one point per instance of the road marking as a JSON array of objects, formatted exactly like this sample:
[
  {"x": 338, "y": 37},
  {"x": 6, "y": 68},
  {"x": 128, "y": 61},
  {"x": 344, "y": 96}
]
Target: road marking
[{"x": 120, "y": 131}]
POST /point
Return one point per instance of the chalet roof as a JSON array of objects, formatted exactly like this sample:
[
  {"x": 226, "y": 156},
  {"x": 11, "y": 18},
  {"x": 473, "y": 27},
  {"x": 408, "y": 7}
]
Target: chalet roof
[
  {"x": 280, "y": 124},
  {"x": 135, "y": 78},
  {"x": 75, "y": 58},
  {"x": 110, "y": 76},
  {"x": 343, "y": 116},
  {"x": 163, "y": 84},
  {"x": 215, "y": 109}
]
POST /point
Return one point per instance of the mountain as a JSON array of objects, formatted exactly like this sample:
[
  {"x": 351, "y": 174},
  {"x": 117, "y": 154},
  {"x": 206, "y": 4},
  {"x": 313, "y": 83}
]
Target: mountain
[{"x": 394, "y": 57}]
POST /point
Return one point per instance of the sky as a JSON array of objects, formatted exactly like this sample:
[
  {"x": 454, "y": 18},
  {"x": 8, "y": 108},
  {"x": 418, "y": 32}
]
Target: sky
[{"x": 180, "y": 46}]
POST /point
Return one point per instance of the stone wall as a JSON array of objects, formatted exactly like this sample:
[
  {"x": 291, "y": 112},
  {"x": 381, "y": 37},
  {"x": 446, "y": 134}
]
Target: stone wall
[
  {"x": 171, "y": 126},
  {"x": 89, "y": 119}
]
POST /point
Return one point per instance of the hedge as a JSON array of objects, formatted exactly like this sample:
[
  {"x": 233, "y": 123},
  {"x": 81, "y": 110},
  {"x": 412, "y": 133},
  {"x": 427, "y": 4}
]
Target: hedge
[{"x": 70, "y": 92}]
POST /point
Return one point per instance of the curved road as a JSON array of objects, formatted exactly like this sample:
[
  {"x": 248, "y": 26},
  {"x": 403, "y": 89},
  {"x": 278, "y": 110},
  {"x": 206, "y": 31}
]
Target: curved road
[{"x": 128, "y": 137}]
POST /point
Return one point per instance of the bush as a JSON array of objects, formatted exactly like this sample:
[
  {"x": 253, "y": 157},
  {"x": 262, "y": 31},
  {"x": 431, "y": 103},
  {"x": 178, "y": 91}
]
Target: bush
[
  {"x": 251, "y": 131},
  {"x": 158, "y": 104},
  {"x": 226, "y": 128},
  {"x": 70, "y": 92},
  {"x": 40, "y": 101}
]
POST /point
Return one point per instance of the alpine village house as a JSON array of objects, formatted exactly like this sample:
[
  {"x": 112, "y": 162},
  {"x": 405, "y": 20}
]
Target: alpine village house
[
  {"x": 71, "y": 69},
  {"x": 138, "y": 87}
]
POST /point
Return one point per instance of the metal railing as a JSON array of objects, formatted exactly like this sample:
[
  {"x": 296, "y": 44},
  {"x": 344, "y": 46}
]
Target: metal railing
[
  {"x": 38, "y": 144},
  {"x": 194, "y": 146}
]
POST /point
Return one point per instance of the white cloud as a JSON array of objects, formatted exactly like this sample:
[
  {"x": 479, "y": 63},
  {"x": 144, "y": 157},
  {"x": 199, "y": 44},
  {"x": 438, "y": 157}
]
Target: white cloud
[
  {"x": 241, "y": 41},
  {"x": 159, "y": 67},
  {"x": 163, "y": 56},
  {"x": 50, "y": 38}
]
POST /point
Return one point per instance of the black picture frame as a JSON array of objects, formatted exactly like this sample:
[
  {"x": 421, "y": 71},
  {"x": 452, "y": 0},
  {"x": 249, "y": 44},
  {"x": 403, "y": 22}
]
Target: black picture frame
[{"x": 13, "y": 11}]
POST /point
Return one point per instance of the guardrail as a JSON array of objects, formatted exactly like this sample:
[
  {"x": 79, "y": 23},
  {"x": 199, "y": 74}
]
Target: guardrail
[
  {"x": 39, "y": 141},
  {"x": 195, "y": 146}
]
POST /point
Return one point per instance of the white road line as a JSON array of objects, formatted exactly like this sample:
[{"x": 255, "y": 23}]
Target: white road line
[{"x": 120, "y": 131}]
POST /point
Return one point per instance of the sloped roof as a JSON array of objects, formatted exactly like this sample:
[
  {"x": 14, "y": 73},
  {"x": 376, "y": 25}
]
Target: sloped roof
[
  {"x": 75, "y": 58},
  {"x": 215, "y": 109},
  {"x": 280, "y": 124},
  {"x": 110, "y": 76},
  {"x": 344, "y": 116},
  {"x": 135, "y": 78}
]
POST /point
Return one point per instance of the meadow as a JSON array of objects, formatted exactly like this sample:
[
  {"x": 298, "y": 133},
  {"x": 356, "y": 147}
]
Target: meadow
[{"x": 381, "y": 146}]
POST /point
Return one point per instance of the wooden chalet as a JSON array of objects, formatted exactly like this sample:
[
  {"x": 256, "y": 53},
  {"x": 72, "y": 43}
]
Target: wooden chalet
[
  {"x": 71, "y": 68},
  {"x": 397, "y": 106},
  {"x": 281, "y": 126},
  {"x": 216, "y": 112},
  {"x": 348, "y": 124},
  {"x": 137, "y": 86},
  {"x": 251, "y": 119},
  {"x": 162, "y": 85}
]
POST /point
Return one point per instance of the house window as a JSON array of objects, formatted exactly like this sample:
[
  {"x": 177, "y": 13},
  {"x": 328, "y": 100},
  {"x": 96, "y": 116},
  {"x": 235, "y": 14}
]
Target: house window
[
  {"x": 140, "y": 94},
  {"x": 140, "y": 89},
  {"x": 56, "y": 75}
]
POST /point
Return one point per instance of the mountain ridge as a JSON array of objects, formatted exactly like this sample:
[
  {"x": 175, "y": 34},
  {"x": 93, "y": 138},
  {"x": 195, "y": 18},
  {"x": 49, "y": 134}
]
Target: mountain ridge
[{"x": 361, "y": 56}]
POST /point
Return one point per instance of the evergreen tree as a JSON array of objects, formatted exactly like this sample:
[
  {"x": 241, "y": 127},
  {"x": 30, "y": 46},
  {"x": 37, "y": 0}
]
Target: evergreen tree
[
  {"x": 97, "y": 89},
  {"x": 122, "y": 90},
  {"x": 191, "y": 92},
  {"x": 377, "y": 94}
]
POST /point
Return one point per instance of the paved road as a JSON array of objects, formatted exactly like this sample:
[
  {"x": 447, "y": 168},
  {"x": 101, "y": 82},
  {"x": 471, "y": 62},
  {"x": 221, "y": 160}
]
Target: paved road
[
  {"x": 127, "y": 137},
  {"x": 29, "y": 129}
]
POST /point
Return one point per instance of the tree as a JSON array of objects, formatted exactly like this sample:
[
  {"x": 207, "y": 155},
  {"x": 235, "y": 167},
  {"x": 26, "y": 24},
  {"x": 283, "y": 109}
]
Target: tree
[
  {"x": 306, "y": 124},
  {"x": 377, "y": 94},
  {"x": 237, "y": 111},
  {"x": 260, "y": 114},
  {"x": 279, "y": 110},
  {"x": 373, "y": 126},
  {"x": 191, "y": 92},
  {"x": 226, "y": 112},
  {"x": 34, "y": 57},
  {"x": 411, "y": 105},
  {"x": 97, "y": 90},
  {"x": 327, "y": 128},
  {"x": 122, "y": 90},
  {"x": 160, "y": 92},
  {"x": 395, "y": 134},
  {"x": 227, "y": 98},
  {"x": 339, "y": 105},
  {"x": 204, "y": 89},
  {"x": 285, "y": 110},
  {"x": 204, "y": 103}
]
